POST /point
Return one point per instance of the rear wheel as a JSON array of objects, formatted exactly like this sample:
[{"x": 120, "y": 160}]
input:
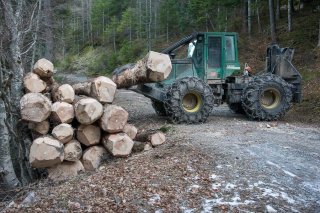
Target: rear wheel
[
  {"x": 189, "y": 100},
  {"x": 268, "y": 97}
]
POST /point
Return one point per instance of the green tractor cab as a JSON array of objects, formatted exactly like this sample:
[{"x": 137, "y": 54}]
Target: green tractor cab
[{"x": 210, "y": 75}]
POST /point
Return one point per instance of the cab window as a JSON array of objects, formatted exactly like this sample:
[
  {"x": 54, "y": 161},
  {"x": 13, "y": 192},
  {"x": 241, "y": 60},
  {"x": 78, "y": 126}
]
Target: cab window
[{"x": 230, "y": 49}]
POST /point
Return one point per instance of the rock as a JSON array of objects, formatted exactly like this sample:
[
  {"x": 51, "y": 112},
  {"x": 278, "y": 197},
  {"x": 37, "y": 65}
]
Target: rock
[
  {"x": 33, "y": 83},
  {"x": 130, "y": 130},
  {"x": 103, "y": 89},
  {"x": 93, "y": 156},
  {"x": 147, "y": 147},
  {"x": 63, "y": 132},
  {"x": 114, "y": 119},
  {"x": 64, "y": 93},
  {"x": 46, "y": 152},
  {"x": 62, "y": 112},
  {"x": 41, "y": 128},
  {"x": 89, "y": 135},
  {"x": 72, "y": 151},
  {"x": 43, "y": 68},
  {"x": 119, "y": 145},
  {"x": 65, "y": 170},
  {"x": 88, "y": 110},
  {"x": 35, "y": 107}
]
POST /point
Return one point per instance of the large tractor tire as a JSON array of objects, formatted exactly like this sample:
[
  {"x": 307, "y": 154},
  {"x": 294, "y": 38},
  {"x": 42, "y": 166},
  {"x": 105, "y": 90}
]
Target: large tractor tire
[
  {"x": 159, "y": 108},
  {"x": 189, "y": 100},
  {"x": 267, "y": 97}
]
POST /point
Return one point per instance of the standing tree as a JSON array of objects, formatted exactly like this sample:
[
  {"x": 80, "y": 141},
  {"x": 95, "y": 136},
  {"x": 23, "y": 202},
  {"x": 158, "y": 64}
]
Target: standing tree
[
  {"x": 272, "y": 22},
  {"x": 14, "y": 166},
  {"x": 319, "y": 35}
]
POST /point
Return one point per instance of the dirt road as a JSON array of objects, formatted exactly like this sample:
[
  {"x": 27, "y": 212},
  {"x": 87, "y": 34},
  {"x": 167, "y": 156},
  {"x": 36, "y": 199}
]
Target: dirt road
[{"x": 252, "y": 166}]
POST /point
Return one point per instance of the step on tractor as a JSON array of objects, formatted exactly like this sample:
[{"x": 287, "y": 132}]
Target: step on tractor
[{"x": 210, "y": 75}]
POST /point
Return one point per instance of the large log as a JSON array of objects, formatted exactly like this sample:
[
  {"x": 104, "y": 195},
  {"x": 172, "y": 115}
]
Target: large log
[
  {"x": 153, "y": 136},
  {"x": 83, "y": 88},
  {"x": 63, "y": 132},
  {"x": 88, "y": 110},
  {"x": 153, "y": 67},
  {"x": 119, "y": 145},
  {"x": 35, "y": 107},
  {"x": 44, "y": 68},
  {"x": 114, "y": 119},
  {"x": 33, "y": 83},
  {"x": 103, "y": 89},
  {"x": 46, "y": 152},
  {"x": 93, "y": 156},
  {"x": 72, "y": 151},
  {"x": 130, "y": 130},
  {"x": 63, "y": 93},
  {"x": 65, "y": 170},
  {"x": 89, "y": 135},
  {"x": 41, "y": 128},
  {"x": 62, "y": 112}
]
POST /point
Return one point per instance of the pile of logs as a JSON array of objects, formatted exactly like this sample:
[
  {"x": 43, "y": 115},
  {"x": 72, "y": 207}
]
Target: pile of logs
[{"x": 76, "y": 127}]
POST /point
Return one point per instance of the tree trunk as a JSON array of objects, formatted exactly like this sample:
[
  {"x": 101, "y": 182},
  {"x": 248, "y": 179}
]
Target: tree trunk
[
  {"x": 258, "y": 17},
  {"x": 249, "y": 17},
  {"x": 272, "y": 22},
  {"x": 49, "y": 43},
  {"x": 278, "y": 10},
  {"x": 289, "y": 15},
  {"x": 319, "y": 35}
]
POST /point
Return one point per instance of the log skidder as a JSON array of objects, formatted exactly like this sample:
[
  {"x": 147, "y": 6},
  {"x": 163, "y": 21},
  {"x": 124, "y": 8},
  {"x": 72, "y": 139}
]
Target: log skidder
[
  {"x": 267, "y": 97},
  {"x": 189, "y": 100}
]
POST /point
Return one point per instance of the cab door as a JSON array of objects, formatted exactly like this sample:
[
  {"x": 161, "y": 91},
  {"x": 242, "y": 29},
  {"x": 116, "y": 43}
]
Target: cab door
[{"x": 214, "y": 56}]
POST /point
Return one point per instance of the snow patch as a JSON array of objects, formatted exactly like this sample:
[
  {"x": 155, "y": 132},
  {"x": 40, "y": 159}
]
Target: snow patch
[
  {"x": 289, "y": 173},
  {"x": 216, "y": 185},
  {"x": 230, "y": 186},
  {"x": 236, "y": 201}
]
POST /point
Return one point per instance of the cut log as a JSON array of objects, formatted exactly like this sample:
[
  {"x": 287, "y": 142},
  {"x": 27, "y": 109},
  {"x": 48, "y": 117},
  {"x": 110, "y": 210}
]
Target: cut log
[
  {"x": 140, "y": 146},
  {"x": 78, "y": 98},
  {"x": 63, "y": 93},
  {"x": 33, "y": 83},
  {"x": 88, "y": 110},
  {"x": 35, "y": 107},
  {"x": 154, "y": 137},
  {"x": 72, "y": 151},
  {"x": 65, "y": 170},
  {"x": 119, "y": 145},
  {"x": 89, "y": 135},
  {"x": 46, "y": 152},
  {"x": 43, "y": 68},
  {"x": 103, "y": 89},
  {"x": 114, "y": 119},
  {"x": 62, "y": 112},
  {"x": 130, "y": 130},
  {"x": 41, "y": 128},
  {"x": 153, "y": 67},
  {"x": 93, "y": 156},
  {"x": 63, "y": 132},
  {"x": 83, "y": 88}
]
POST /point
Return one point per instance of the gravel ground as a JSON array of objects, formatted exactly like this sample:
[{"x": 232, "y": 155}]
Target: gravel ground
[
  {"x": 255, "y": 166},
  {"x": 228, "y": 164}
]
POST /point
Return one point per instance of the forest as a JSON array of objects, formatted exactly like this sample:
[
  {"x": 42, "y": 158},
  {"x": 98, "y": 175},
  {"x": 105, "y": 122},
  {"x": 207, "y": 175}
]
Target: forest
[{"x": 93, "y": 37}]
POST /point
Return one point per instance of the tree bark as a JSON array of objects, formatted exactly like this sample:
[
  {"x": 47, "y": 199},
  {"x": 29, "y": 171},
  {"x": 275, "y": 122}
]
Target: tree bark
[
  {"x": 258, "y": 17},
  {"x": 249, "y": 18},
  {"x": 272, "y": 22},
  {"x": 278, "y": 10},
  {"x": 319, "y": 35},
  {"x": 49, "y": 44}
]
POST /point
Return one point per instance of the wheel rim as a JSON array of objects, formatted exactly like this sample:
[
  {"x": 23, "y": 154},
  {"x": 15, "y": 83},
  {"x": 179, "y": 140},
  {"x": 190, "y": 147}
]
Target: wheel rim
[
  {"x": 191, "y": 102},
  {"x": 270, "y": 98}
]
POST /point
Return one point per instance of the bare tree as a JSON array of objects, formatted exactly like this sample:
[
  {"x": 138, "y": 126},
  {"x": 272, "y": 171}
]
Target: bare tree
[
  {"x": 278, "y": 10},
  {"x": 272, "y": 22},
  {"x": 13, "y": 134},
  {"x": 249, "y": 17}
]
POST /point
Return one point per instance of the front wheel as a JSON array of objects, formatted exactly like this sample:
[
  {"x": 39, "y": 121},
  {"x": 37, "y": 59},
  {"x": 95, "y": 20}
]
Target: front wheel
[
  {"x": 189, "y": 100},
  {"x": 267, "y": 97}
]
